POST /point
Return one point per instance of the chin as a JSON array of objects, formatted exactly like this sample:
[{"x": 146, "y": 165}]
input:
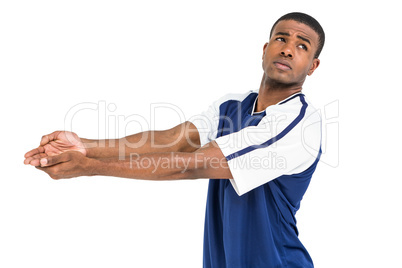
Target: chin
[{"x": 278, "y": 80}]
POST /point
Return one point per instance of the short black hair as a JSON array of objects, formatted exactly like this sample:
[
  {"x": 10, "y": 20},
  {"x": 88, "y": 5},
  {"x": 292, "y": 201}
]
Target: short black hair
[{"x": 309, "y": 21}]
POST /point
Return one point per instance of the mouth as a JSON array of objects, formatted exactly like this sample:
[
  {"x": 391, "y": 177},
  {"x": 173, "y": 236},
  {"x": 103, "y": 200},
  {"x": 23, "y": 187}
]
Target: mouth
[{"x": 283, "y": 65}]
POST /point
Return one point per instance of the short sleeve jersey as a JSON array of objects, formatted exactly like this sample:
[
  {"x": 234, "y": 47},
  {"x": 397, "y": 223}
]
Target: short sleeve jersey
[{"x": 250, "y": 219}]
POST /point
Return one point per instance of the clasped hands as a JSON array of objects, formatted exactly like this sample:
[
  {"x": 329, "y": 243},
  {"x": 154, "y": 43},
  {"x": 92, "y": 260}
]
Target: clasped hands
[{"x": 60, "y": 154}]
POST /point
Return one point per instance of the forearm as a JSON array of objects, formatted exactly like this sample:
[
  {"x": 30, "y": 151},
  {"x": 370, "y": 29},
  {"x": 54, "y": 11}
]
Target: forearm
[
  {"x": 182, "y": 138},
  {"x": 150, "y": 166},
  {"x": 112, "y": 148}
]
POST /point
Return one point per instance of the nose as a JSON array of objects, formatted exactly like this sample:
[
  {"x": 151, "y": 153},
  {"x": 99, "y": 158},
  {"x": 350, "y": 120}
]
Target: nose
[
  {"x": 287, "y": 51},
  {"x": 283, "y": 53}
]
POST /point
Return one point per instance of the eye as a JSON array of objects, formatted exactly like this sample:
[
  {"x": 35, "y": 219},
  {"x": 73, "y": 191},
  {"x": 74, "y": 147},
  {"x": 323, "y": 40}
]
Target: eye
[
  {"x": 281, "y": 39},
  {"x": 303, "y": 47}
]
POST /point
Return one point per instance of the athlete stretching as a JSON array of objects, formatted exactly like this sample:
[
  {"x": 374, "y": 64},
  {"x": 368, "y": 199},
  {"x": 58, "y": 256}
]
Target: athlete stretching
[{"x": 251, "y": 205}]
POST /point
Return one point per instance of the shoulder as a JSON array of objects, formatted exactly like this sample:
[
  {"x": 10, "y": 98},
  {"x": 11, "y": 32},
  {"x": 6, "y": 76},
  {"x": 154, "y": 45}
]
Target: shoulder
[
  {"x": 301, "y": 123},
  {"x": 311, "y": 115},
  {"x": 297, "y": 105},
  {"x": 298, "y": 117}
]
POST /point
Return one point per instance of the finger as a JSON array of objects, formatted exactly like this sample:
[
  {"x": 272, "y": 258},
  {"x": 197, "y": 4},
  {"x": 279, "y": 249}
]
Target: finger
[
  {"x": 48, "y": 138},
  {"x": 34, "y": 160},
  {"x": 54, "y": 160},
  {"x": 32, "y": 152}
]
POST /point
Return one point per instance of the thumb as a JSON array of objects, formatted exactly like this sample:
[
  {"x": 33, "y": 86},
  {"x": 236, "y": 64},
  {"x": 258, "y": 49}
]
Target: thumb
[
  {"x": 48, "y": 138},
  {"x": 54, "y": 160}
]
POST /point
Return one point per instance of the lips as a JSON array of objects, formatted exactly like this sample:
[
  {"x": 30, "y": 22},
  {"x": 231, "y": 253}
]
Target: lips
[{"x": 283, "y": 65}]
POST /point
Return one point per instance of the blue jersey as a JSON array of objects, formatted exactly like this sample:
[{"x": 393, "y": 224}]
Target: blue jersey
[{"x": 250, "y": 219}]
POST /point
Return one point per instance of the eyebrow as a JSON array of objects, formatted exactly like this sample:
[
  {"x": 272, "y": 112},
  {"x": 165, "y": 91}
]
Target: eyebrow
[{"x": 300, "y": 37}]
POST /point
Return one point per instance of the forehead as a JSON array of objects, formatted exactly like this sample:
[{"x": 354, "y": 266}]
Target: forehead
[{"x": 296, "y": 28}]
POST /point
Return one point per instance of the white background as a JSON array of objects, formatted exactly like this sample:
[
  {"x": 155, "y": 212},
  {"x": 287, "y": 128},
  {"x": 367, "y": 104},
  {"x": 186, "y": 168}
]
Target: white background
[{"x": 130, "y": 54}]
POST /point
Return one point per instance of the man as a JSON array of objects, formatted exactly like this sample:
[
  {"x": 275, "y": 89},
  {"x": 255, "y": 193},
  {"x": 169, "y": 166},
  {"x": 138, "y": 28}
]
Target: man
[{"x": 259, "y": 149}]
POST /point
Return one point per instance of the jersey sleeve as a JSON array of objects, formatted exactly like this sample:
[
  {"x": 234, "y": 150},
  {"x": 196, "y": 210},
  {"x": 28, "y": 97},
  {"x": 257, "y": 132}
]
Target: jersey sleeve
[
  {"x": 286, "y": 141},
  {"x": 207, "y": 122}
]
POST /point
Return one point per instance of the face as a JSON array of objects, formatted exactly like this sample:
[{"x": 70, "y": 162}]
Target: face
[{"x": 289, "y": 56}]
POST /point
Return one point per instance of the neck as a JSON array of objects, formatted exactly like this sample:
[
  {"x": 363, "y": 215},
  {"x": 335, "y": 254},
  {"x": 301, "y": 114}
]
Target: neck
[{"x": 271, "y": 93}]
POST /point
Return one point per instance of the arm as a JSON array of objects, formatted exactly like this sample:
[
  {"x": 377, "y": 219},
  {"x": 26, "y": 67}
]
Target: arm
[
  {"x": 182, "y": 138},
  {"x": 206, "y": 162}
]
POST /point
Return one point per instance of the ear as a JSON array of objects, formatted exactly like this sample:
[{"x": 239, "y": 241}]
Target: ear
[
  {"x": 316, "y": 63},
  {"x": 263, "y": 50}
]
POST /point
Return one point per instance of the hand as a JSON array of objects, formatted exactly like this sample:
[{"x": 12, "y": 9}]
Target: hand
[
  {"x": 67, "y": 165},
  {"x": 54, "y": 144}
]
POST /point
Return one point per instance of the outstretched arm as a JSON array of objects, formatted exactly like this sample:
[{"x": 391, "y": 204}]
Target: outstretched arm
[
  {"x": 206, "y": 162},
  {"x": 182, "y": 138}
]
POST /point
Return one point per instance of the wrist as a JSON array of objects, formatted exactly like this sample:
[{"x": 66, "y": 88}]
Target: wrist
[
  {"x": 93, "y": 167},
  {"x": 89, "y": 146}
]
